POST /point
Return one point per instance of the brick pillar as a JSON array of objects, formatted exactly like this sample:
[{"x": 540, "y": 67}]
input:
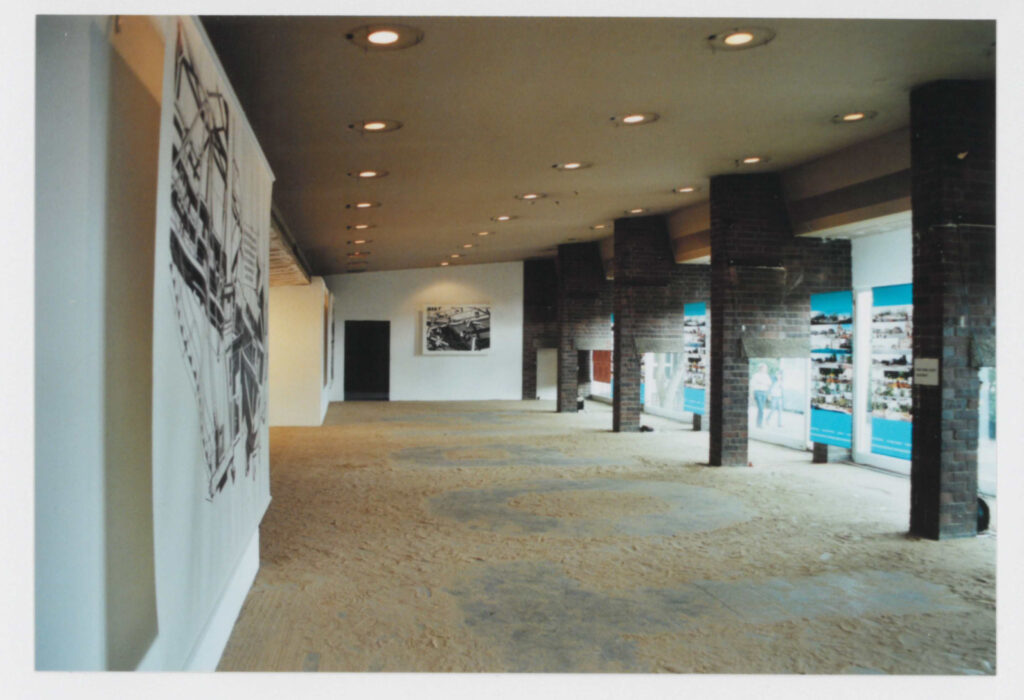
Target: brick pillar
[
  {"x": 953, "y": 197},
  {"x": 584, "y": 310},
  {"x": 540, "y": 317},
  {"x": 749, "y": 228}
]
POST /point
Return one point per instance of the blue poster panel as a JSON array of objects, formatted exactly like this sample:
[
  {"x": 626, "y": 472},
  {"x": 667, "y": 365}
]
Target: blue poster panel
[
  {"x": 832, "y": 368},
  {"x": 695, "y": 343},
  {"x": 892, "y": 367}
]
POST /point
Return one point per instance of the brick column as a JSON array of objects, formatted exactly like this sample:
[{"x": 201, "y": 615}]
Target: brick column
[
  {"x": 584, "y": 310},
  {"x": 953, "y": 196},
  {"x": 761, "y": 282},
  {"x": 540, "y": 317}
]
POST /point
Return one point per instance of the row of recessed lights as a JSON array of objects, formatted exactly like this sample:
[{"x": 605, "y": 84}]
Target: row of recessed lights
[{"x": 391, "y": 37}]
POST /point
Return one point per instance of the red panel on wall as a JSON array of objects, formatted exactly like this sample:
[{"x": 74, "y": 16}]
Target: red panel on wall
[{"x": 602, "y": 360}]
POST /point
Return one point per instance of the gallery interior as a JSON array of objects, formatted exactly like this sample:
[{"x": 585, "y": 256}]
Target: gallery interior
[{"x": 515, "y": 344}]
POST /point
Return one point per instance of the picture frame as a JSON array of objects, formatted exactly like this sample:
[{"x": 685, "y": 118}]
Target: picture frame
[{"x": 456, "y": 329}]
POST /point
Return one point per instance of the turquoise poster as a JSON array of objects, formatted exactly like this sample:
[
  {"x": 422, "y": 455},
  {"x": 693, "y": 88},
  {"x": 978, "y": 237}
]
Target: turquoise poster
[
  {"x": 832, "y": 368},
  {"x": 892, "y": 367},
  {"x": 695, "y": 338}
]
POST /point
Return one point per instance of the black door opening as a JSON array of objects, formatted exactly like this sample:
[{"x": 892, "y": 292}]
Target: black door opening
[{"x": 367, "y": 360}]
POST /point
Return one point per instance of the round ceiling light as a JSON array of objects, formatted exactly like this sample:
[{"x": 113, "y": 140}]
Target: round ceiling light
[
  {"x": 385, "y": 37},
  {"x": 530, "y": 196},
  {"x": 571, "y": 165},
  {"x": 637, "y": 210},
  {"x": 367, "y": 174},
  {"x": 752, "y": 160},
  {"x": 483, "y": 233},
  {"x": 455, "y": 255},
  {"x": 741, "y": 38},
  {"x": 445, "y": 263},
  {"x": 685, "y": 189},
  {"x": 853, "y": 117},
  {"x": 502, "y": 218},
  {"x": 467, "y": 245},
  {"x": 599, "y": 227},
  {"x": 360, "y": 227},
  {"x": 376, "y": 126},
  {"x": 635, "y": 118},
  {"x": 360, "y": 241},
  {"x": 362, "y": 205}
]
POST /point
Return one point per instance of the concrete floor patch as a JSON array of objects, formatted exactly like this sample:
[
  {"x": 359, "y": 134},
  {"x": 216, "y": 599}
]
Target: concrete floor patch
[
  {"x": 495, "y": 455},
  {"x": 680, "y": 508}
]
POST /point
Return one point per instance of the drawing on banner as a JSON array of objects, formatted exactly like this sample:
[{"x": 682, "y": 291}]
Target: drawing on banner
[
  {"x": 832, "y": 368},
  {"x": 463, "y": 329},
  {"x": 217, "y": 277},
  {"x": 892, "y": 367},
  {"x": 695, "y": 344}
]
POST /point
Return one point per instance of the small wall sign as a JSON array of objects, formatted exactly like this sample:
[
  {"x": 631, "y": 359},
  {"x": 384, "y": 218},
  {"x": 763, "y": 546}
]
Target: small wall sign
[{"x": 926, "y": 371}]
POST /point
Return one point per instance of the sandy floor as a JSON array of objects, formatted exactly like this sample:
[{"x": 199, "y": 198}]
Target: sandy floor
[{"x": 500, "y": 536}]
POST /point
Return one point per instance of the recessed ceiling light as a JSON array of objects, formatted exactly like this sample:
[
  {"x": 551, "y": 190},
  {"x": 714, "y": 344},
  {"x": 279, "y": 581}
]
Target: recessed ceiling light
[
  {"x": 455, "y": 255},
  {"x": 376, "y": 126},
  {"x": 571, "y": 165},
  {"x": 853, "y": 117},
  {"x": 360, "y": 227},
  {"x": 362, "y": 205},
  {"x": 483, "y": 233},
  {"x": 686, "y": 189},
  {"x": 467, "y": 245},
  {"x": 739, "y": 38},
  {"x": 360, "y": 241},
  {"x": 637, "y": 210},
  {"x": 385, "y": 37},
  {"x": 599, "y": 227},
  {"x": 635, "y": 118},
  {"x": 502, "y": 218},
  {"x": 752, "y": 160},
  {"x": 445, "y": 263},
  {"x": 367, "y": 174},
  {"x": 531, "y": 196}
]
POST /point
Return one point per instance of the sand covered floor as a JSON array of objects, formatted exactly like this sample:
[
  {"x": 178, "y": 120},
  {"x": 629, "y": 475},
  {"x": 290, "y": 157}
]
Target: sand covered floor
[{"x": 504, "y": 537}]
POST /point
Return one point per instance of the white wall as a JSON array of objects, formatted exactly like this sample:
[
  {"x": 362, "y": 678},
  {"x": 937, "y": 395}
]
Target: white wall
[
  {"x": 298, "y": 395},
  {"x": 399, "y": 297},
  {"x": 97, "y": 127},
  {"x": 547, "y": 373},
  {"x": 882, "y": 259}
]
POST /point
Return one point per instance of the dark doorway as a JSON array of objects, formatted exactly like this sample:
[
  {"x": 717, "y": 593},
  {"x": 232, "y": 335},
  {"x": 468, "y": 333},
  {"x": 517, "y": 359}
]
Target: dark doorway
[{"x": 367, "y": 360}]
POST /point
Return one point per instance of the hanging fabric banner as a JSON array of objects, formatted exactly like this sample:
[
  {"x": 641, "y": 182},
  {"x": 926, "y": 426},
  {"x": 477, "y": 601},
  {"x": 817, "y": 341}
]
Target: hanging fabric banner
[
  {"x": 892, "y": 366},
  {"x": 695, "y": 326},
  {"x": 832, "y": 368}
]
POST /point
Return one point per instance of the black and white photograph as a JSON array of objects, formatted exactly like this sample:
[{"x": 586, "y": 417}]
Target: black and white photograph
[{"x": 456, "y": 329}]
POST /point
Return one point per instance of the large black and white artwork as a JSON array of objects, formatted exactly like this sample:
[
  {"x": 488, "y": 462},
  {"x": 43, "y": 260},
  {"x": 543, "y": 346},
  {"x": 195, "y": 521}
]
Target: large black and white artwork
[
  {"x": 218, "y": 274},
  {"x": 456, "y": 329}
]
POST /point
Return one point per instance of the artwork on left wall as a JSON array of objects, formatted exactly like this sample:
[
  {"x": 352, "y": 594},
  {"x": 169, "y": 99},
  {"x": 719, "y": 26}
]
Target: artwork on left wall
[
  {"x": 456, "y": 329},
  {"x": 217, "y": 273}
]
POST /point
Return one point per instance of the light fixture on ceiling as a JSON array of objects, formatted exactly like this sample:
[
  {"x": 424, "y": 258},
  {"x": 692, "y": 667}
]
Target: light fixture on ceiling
[
  {"x": 376, "y": 126},
  {"x": 634, "y": 118},
  {"x": 467, "y": 245},
  {"x": 362, "y": 205},
  {"x": 502, "y": 218},
  {"x": 530, "y": 196},
  {"x": 752, "y": 160},
  {"x": 367, "y": 174},
  {"x": 445, "y": 263},
  {"x": 572, "y": 165},
  {"x": 359, "y": 241},
  {"x": 484, "y": 233},
  {"x": 599, "y": 227},
  {"x": 454, "y": 256},
  {"x": 741, "y": 38},
  {"x": 853, "y": 117},
  {"x": 685, "y": 189},
  {"x": 360, "y": 227},
  {"x": 385, "y": 37},
  {"x": 636, "y": 210}
]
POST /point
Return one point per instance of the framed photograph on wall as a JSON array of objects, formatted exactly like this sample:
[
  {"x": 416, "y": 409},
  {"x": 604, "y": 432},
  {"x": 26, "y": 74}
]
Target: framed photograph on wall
[{"x": 456, "y": 329}]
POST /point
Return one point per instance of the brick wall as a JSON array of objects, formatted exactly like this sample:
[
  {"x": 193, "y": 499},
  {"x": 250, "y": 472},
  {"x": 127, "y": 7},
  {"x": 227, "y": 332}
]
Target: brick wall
[
  {"x": 761, "y": 281},
  {"x": 953, "y": 194},
  {"x": 650, "y": 290},
  {"x": 540, "y": 317},
  {"x": 584, "y": 311}
]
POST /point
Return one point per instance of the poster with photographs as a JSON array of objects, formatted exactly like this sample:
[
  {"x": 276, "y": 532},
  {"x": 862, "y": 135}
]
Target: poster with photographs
[
  {"x": 892, "y": 366},
  {"x": 695, "y": 343},
  {"x": 457, "y": 329},
  {"x": 832, "y": 368}
]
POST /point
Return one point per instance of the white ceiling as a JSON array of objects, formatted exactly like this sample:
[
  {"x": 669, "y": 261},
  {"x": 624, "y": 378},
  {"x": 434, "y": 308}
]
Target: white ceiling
[{"x": 490, "y": 104}]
